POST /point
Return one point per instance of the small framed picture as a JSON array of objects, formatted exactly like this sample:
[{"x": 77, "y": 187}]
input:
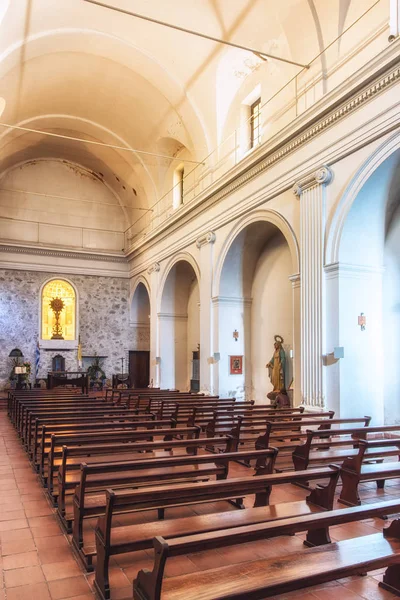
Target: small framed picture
[{"x": 236, "y": 365}]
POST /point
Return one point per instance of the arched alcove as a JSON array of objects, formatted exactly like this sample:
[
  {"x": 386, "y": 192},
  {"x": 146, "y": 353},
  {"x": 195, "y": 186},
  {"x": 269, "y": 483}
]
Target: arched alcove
[
  {"x": 369, "y": 283},
  {"x": 179, "y": 325},
  {"x": 140, "y": 318},
  {"x": 58, "y": 311},
  {"x": 255, "y": 299}
]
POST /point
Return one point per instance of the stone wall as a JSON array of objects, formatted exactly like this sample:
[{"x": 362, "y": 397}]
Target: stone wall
[{"x": 103, "y": 305}]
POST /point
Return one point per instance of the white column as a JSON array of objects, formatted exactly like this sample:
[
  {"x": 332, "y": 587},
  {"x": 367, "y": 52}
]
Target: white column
[
  {"x": 205, "y": 244},
  {"x": 311, "y": 191},
  {"x": 296, "y": 360},
  {"x": 153, "y": 272}
]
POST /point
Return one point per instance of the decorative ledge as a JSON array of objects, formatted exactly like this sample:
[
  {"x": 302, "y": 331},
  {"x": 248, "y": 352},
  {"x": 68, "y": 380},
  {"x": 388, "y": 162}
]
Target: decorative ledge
[{"x": 207, "y": 238}]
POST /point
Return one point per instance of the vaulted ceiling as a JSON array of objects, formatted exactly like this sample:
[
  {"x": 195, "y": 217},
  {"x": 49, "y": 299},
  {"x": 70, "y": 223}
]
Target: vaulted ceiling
[{"x": 76, "y": 69}]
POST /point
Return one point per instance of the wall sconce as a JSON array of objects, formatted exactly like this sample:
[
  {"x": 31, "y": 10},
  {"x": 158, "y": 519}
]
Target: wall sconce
[{"x": 235, "y": 335}]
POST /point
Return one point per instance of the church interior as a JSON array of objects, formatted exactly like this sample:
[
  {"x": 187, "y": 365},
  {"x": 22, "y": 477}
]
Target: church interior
[{"x": 199, "y": 299}]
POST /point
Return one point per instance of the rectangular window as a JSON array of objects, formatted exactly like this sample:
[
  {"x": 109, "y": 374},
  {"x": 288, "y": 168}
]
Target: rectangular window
[
  {"x": 255, "y": 123},
  {"x": 179, "y": 175}
]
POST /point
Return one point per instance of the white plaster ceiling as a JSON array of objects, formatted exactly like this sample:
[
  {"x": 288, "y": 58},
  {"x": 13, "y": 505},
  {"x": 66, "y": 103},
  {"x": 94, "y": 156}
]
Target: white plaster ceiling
[{"x": 76, "y": 69}]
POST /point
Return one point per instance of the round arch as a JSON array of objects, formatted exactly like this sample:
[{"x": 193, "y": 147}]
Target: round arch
[
  {"x": 269, "y": 216},
  {"x": 181, "y": 256},
  {"x": 136, "y": 281},
  {"x": 345, "y": 202}
]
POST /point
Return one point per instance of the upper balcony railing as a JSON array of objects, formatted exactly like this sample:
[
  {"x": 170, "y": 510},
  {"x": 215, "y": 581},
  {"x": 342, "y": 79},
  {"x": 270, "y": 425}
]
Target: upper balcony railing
[{"x": 360, "y": 43}]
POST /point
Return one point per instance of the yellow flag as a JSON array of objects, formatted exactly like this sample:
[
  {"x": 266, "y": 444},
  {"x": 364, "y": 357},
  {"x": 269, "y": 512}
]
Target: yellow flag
[{"x": 79, "y": 352}]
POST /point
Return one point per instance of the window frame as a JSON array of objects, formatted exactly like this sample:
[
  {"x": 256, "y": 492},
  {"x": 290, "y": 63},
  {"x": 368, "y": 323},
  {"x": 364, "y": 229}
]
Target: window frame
[{"x": 255, "y": 130}]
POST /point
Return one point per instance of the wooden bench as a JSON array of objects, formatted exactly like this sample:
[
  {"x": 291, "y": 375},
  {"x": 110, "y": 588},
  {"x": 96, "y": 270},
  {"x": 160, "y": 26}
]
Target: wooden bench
[
  {"x": 111, "y": 540},
  {"x": 72, "y": 405},
  {"x": 13, "y": 396},
  {"x": 148, "y": 431},
  {"x": 268, "y": 577},
  {"x": 317, "y": 451},
  {"x": 274, "y": 432},
  {"x": 184, "y": 409},
  {"x": 355, "y": 471},
  {"x": 46, "y": 401},
  {"x": 34, "y": 436},
  {"x": 153, "y": 402},
  {"x": 203, "y": 416},
  {"x": 144, "y": 472},
  {"x": 86, "y": 420},
  {"x": 74, "y": 456},
  {"x": 168, "y": 405}
]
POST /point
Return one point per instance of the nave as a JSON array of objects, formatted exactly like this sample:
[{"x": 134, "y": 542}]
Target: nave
[{"x": 37, "y": 558}]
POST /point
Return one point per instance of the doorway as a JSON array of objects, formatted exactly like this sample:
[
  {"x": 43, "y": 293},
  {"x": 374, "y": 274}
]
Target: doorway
[{"x": 139, "y": 368}]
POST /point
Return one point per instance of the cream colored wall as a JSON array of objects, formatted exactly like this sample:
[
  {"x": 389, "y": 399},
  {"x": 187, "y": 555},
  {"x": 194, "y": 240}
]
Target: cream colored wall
[
  {"x": 193, "y": 326},
  {"x": 56, "y": 203},
  {"x": 271, "y": 313}
]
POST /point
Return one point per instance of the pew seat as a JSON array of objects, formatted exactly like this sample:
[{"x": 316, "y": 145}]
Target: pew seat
[{"x": 262, "y": 578}]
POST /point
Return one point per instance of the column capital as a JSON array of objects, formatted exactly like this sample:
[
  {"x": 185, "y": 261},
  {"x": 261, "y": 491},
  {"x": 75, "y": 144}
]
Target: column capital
[
  {"x": 295, "y": 279},
  {"x": 154, "y": 268},
  {"x": 321, "y": 176},
  {"x": 206, "y": 238}
]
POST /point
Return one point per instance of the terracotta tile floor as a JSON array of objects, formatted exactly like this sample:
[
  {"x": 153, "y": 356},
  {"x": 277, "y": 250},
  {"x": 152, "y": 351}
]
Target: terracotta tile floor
[{"x": 37, "y": 562}]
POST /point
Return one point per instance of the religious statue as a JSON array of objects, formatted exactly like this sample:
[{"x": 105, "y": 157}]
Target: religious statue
[{"x": 276, "y": 365}]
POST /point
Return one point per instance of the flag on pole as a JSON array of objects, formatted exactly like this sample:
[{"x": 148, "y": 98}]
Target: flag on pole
[
  {"x": 79, "y": 353},
  {"x": 37, "y": 359}
]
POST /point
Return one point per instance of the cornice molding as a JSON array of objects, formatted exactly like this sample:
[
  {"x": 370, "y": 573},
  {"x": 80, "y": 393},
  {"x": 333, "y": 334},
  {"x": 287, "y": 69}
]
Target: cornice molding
[
  {"x": 172, "y": 317},
  {"x": 54, "y": 253},
  {"x": 154, "y": 268},
  {"x": 322, "y": 176},
  {"x": 64, "y": 269},
  {"x": 207, "y": 238},
  {"x": 364, "y": 93},
  {"x": 337, "y": 269},
  {"x": 228, "y": 301}
]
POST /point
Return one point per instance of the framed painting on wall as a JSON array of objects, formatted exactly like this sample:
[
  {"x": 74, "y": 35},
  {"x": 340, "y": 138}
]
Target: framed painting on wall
[{"x": 236, "y": 365}]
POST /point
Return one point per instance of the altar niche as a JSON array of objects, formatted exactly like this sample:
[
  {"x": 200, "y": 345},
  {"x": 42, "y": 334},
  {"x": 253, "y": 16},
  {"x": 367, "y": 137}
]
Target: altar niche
[
  {"x": 255, "y": 303},
  {"x": 58, "y": 324}
]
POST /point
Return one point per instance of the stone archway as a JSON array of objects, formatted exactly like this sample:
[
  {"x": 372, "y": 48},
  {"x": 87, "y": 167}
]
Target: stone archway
[
  {"x": 255, "y": 298},
  {"x": 179, "y": 325},
  {"x": 367, "y": 280}
]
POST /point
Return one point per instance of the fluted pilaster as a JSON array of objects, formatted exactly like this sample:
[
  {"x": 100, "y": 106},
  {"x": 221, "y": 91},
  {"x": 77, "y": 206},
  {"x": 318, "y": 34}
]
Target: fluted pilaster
[{"x": 311, "y": 191}]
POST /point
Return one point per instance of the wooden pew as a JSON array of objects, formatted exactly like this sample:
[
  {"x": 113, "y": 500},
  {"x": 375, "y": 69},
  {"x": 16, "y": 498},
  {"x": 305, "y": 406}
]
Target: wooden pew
[
  {"x": 74, "y": 456},
  {"x": 36, "y": 393},
  {"x": 228, "y": 416},
  {"x": 355, "y": 471},
  {"x": 268, "y": 577},
  {"x": 149, "y": 471},
  {"x": 114, "y": 433},
  {"x": 317, "y": 451},
  {"x": 87, "y": 416},
  {"x": 16, "y": 408},
  {"x": 274, "y": 432},
  {"x": 172, "y": 407},
  {"x": 111, "y": 540},
  {"x": 158, "y": 404},
  {"x": 26, "y": 407}
]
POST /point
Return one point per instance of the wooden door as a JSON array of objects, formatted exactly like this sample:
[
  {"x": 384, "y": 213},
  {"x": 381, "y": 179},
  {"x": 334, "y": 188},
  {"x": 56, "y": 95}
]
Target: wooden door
[{"x": 139, "y": 368}]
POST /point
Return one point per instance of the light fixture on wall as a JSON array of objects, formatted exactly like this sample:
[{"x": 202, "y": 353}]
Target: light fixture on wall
[
  {"x": 17, "y": 354},
  {"x": 235, "y": 335},
  {"x": 362, "y": 321}
]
